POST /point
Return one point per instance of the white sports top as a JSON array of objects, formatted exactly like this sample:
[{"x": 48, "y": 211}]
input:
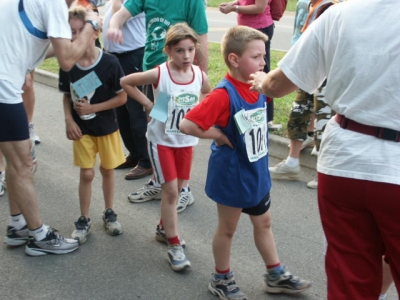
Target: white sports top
[{"x": 182, "y": 98}]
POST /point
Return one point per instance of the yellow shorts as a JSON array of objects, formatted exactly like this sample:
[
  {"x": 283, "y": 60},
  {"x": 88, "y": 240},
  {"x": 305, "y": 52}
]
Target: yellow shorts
[{"x": 108, "y": 146}]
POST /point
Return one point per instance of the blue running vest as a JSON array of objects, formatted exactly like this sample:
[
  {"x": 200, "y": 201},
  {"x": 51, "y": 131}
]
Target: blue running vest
[{"x": 233, "y": 180}]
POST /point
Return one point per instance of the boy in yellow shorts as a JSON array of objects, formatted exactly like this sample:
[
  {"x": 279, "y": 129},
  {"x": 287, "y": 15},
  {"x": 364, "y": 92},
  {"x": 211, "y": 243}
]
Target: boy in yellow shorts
[{"x": 91, "y": 92}]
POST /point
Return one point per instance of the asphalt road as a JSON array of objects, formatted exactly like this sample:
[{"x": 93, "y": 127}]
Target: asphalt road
[
  {"x": 219, "y": 23},
  {"x": 134, "y": 265}
]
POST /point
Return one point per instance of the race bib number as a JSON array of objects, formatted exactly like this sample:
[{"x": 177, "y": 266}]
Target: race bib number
[
  {"x": 178, "y": 107},
  {"x": 256, "y": 137}
]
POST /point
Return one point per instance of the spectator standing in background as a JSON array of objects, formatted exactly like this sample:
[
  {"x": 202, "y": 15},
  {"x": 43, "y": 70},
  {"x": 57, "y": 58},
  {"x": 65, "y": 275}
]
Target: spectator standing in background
[{"x": 132, "y": 119}]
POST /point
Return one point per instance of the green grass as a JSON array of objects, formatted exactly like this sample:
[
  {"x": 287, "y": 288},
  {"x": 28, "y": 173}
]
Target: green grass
[
  {"x": 50, "y": 65},
  {"x": 216, "y": 71},
  {"x": 291, "y": 6}
]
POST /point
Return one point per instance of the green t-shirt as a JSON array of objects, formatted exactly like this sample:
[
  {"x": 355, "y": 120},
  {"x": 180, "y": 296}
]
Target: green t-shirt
[{"x": 162, "y": 14}]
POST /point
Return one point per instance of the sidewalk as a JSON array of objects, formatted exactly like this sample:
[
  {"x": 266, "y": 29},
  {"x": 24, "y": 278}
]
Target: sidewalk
[{"x": 278, "y": 146}]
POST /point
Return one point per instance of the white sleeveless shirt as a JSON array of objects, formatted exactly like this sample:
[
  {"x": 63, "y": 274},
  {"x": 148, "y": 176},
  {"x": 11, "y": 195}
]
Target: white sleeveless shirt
[{"x": 182, "y": 98}]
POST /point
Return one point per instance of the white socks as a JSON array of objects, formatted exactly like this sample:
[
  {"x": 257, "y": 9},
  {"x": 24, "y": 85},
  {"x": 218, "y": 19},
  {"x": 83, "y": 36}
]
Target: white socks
[
  {"x": 292, "y": 162},
  {"x": 39, "y": 233},
  {"x": 17, "y": 221}
]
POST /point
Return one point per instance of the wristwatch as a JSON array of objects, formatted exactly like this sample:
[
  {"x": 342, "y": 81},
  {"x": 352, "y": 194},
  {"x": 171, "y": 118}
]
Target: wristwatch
[{"x": 94, "y": 24}]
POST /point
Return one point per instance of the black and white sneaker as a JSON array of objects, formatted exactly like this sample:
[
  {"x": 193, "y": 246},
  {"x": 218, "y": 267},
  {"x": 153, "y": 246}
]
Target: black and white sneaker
[
  {"x": 111, "y": 225},
  {"x": 226, "y": 288},
  {"x": 177, "y": 258},
  {"x": 286, "y": 283},
  {"x": 16, "y": 237},
  {"x": 53, "y": 243},
  {"x": 185, "y": 199},
  {"x": 81, "y": 229}
]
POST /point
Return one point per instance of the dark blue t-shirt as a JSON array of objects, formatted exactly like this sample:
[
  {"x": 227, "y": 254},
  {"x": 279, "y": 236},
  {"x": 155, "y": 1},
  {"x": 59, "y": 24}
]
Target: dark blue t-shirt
[{"x": 109, "y": 72}]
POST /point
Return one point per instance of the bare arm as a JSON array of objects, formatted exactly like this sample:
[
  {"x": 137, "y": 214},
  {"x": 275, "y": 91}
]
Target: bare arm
[
  {"x": 114, "y": 33},
  {"x": 84, "y": 108},
  {"x": 116, "y": 5},
  {"x": 206, "y": 87},
  {"x": 131, "y": 82},
  {"x": 67, "y": 52},
  {"x": 253, "y": 9},
  {"x": 188, "y": 127},
  {"x": 202, "y": 53},
  {"x": 275, "y": 84},
  {"x": 72, "y": 129},
  {"x": 50, "y": 52}
]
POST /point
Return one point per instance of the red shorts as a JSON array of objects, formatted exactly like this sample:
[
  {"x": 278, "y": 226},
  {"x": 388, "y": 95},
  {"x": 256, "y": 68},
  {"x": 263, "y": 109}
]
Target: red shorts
[{"x": 170, "y": 163}]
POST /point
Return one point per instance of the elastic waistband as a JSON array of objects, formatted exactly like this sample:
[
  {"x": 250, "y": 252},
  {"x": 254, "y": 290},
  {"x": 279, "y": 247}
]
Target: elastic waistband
[{"x": 379, "y": 132}]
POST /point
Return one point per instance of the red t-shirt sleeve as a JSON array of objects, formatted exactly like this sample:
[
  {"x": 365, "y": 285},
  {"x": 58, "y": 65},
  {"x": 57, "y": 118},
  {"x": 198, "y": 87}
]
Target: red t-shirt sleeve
[{"x": 213, "y": 110}]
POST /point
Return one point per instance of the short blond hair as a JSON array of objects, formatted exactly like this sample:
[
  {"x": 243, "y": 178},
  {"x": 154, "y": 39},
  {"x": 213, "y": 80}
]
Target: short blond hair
[
  {"x": 78, "y": 12},
  {"x": 236, "y": 39}
]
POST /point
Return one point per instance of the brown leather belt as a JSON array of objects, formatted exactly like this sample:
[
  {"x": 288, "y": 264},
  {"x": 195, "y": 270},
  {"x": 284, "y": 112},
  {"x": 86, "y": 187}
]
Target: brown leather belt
[{"x": 379, "y": 132}]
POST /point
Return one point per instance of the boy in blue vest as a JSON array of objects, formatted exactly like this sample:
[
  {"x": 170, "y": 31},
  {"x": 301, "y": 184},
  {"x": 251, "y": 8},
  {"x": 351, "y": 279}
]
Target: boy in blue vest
[{"x": 235, "y": 118}]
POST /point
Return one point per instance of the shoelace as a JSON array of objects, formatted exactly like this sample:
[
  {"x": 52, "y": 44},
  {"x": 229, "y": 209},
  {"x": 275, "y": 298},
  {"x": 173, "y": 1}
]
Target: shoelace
[{"x": 54, "y": 237}]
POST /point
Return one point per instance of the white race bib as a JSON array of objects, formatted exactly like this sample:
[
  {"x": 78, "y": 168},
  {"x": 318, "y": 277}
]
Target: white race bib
[
  {"x": 256, "y": 137},
  {"x": 178, "y": 107}
]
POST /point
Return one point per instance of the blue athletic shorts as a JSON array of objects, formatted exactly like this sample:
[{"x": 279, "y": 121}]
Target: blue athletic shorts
[{"x": 13, "y": 123}]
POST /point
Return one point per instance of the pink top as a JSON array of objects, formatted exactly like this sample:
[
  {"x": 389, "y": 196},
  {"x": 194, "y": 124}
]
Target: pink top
[{"x": 255, "y": 21}]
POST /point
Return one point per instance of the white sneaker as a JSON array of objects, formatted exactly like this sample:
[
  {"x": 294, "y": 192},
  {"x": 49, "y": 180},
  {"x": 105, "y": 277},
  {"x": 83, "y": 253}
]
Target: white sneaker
[
  {"x": 112, "y": 226},
  {"x": 146, "y": 193},
  {"x": 309, "y": 142},
  {"x": 177, "y": 258},
  {"x": 82, "y": 230},
  {"x": 185, "y": 199},
  {"x": 313, "y": 184},
  {"x": 283, "y": 171},
  {"x": 32, "y": 135}
]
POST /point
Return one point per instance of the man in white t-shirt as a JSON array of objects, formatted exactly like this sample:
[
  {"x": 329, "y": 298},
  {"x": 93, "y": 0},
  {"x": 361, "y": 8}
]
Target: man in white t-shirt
[
  {"x": 29, "y": 28},
  {"x": 359, "y": 161}
]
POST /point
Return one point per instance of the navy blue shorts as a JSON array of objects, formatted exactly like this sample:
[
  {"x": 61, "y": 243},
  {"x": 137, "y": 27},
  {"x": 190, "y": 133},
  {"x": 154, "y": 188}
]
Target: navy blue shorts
[
  {"x": 13, "y": 123},
  {"x": 260, "y": 209}
]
